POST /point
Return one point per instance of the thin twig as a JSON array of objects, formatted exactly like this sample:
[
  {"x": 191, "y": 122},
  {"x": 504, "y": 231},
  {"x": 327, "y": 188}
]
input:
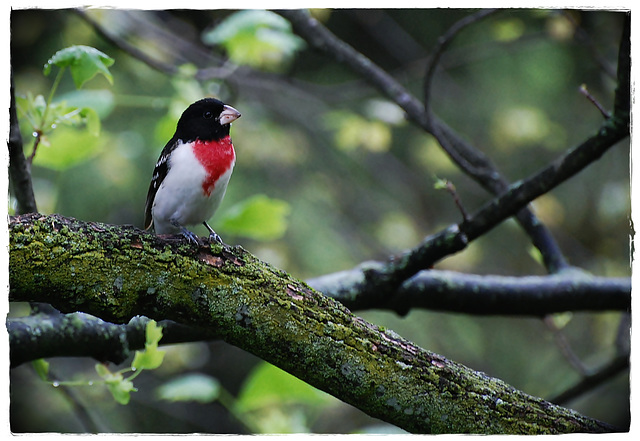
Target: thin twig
[
  {"x": 443, "y": 41},
  {"x": 615, "y": 367},
  {"x": 34, "y": 149},
  {"x": 451, "y": 189},
  {"x": 565, "y": 346},
  {"x": 594, "y": 101}
]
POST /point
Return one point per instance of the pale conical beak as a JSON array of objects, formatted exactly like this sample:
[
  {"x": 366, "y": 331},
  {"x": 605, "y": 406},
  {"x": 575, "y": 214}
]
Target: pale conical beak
[{"x": 228, "y": 115}]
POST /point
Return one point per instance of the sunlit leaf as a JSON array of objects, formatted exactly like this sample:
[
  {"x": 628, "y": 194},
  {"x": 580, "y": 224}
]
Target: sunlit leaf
[
  {"x": 191, "y": 387},
  {"x": 187, "y": 87},
  {"x": 151, "y": 357},
  {"x": 518, "y": 126},
  {"x": 84, "y": 62},
  {"x": 121, "y": 390},
  {"x": 258, "y": 217},
  {"x": 255, "y": 37},
  {"x": 119, "y": 386},
  {"x": 103, "y": 371},
  {"x": 535, "y": 254},
  {"x": 41, "y": 366},
  {"x": 268, "y": 385},
  {"x": 153, "y": 333}
]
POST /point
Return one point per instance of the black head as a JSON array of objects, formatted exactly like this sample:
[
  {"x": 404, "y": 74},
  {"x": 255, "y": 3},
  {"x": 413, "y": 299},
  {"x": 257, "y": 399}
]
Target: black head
[{"x": 207, "y": 119}]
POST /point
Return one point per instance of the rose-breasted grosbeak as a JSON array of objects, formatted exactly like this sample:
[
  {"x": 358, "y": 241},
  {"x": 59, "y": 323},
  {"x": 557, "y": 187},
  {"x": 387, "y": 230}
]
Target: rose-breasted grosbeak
[{"x": 192, "y": 173}]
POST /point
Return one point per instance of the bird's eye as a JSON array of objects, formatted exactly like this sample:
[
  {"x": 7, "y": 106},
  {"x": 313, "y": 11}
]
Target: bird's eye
[{"x": 207, "y": 115}]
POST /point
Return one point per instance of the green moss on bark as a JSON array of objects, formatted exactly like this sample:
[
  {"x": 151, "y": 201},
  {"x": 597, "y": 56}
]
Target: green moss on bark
[{"x": 116, "y": 273}]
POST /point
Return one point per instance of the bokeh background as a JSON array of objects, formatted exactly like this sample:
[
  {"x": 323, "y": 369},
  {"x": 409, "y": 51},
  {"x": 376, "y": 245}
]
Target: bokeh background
[{"x": 349, "y": 180}]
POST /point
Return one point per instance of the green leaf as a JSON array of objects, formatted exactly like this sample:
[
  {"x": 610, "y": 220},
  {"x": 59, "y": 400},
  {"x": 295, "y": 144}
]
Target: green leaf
[
  {"x": 440, "y": 183},
  {"x": 270, "y": 386},
  {"x": 84, "y": 62},
  {"x": 100, "y": 100},
  {"x": 153, "y": 333},
  {"x": 121, "y": 390},
  {"x": 103, "y": 371},
  {"x": 59, "y": 113},
  {"x": 245, "y": 21},
  {"x": 41, "y": 367},
  {"x": 32, "y": 108},
  {"x": 151, "y": 357},
  {"x": 67, "y": 147},
  {"x": 91, "y": 119},
  {"x": 119, "y": 386},
  {"x": 258, "y": 38},
  {"x": 259, "y": 218},
  {"x": 191, "y": 387}
]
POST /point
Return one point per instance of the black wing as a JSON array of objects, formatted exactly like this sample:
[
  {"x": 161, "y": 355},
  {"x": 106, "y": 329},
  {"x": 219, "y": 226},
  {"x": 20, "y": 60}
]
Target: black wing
[{"x": 159, "y": 173}]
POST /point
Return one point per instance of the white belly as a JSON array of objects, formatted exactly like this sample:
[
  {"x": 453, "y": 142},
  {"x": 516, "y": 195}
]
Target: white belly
[{"x": 181, "y": 197}]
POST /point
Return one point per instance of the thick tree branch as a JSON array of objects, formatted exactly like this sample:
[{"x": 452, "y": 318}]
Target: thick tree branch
[
  {"x": 53, "y": 334},
  {"x": 118, "y": 272},
  {"x": 491, "y": 295}
]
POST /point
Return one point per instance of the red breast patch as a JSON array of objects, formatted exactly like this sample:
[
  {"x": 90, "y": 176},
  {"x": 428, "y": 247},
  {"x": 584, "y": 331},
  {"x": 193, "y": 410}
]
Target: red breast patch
[{"x": 216, "y": 157}]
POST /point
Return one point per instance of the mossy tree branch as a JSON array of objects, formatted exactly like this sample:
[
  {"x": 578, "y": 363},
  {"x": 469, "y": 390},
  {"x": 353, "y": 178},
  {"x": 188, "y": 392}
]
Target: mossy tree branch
[{"x": 116, "y": 273}]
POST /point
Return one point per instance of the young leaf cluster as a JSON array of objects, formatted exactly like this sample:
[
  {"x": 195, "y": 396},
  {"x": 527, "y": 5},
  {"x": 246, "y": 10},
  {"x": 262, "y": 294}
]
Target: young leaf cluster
[
  {"x": 44, "y": 115},
  {"x": 119, "y": 384}
]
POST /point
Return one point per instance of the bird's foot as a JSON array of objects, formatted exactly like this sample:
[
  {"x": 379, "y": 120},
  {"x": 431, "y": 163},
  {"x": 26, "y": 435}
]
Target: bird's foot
[
  {"x": 213, "y": 236},
  {"x": 191, "y": 237}
]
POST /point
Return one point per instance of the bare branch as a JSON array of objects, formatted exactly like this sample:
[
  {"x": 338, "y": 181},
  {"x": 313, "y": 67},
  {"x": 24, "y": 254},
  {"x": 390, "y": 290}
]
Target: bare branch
[
  {"x": 470, "y": 160},
  {"x": 616, "y": 366},
  {"x": 19, "y": 169},
  {"x": 443, "y": 41},
  {"x": 605, "y": 113},
  {"x": 491, "y": 295},
  {"x": 382, "y": 281}
]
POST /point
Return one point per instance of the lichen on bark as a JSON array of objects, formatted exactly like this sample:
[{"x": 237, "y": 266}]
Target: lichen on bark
[{"x": 118, "y": 272}]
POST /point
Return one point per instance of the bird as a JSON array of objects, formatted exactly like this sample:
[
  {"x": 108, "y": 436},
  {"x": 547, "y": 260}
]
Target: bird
[{"x": 190, "y": 178}]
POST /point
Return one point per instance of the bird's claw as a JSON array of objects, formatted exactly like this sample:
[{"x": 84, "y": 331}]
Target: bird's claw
[
  {"x": 213, "y": 236},
  {"x": 191, "y": 237}
]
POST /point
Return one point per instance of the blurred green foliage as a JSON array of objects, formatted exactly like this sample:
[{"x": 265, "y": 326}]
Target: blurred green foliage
[
  {"x": 260, "y": 39},
  {"x": 350, "y": 180}
]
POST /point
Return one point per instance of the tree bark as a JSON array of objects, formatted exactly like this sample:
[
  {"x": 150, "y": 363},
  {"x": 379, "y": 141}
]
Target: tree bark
[{"x": 118, "y": 272}]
